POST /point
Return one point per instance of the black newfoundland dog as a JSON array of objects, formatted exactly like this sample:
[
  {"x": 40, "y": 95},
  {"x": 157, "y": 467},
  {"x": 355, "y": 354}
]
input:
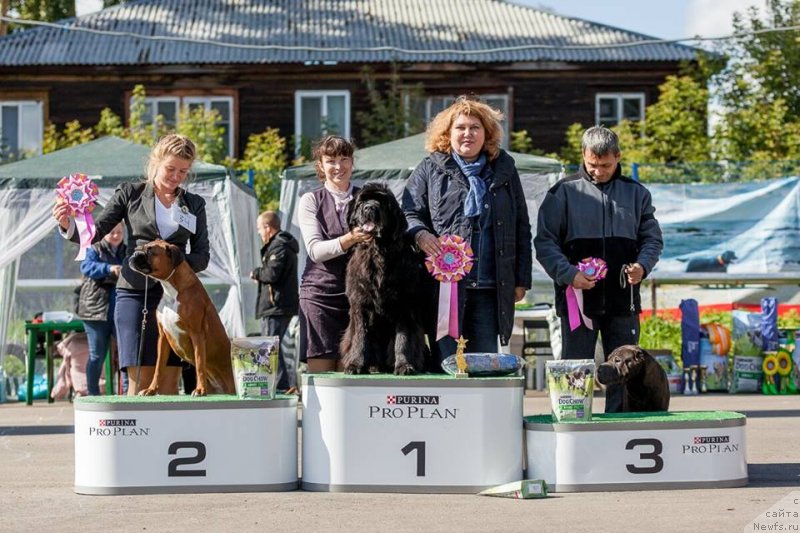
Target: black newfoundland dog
[{"x": 382, "y": 284}]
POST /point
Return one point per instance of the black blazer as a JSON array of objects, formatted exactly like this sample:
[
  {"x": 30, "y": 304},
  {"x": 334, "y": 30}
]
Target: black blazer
[{"x": 134, "y": 203}]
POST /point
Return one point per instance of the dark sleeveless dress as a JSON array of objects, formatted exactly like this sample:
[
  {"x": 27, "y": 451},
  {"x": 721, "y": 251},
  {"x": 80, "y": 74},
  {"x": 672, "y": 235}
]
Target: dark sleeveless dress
[{"x": 322, "y": 290}]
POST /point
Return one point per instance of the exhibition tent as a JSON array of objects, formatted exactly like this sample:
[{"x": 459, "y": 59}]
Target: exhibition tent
[
  {"x": 38, "y": 271},
  {"x": 393, "y": 163}
]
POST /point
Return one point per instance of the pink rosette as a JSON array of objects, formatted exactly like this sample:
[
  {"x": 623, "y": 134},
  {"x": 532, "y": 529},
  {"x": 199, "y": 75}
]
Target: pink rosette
[
  {"x": 592, "y": 266},
  {"x": 453, "y": 262},
  {"x": 80, "y": 194}
]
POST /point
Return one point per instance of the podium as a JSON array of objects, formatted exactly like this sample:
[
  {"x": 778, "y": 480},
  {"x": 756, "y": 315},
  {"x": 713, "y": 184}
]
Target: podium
[
  {"x": 184, "y": 444},
  {"x": 638, "y": 451},
  {"x": 418, "y": 434}
]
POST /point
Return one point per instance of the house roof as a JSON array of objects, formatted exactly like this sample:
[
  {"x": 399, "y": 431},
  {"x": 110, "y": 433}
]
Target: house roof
[{"x": 165, "y": 32}]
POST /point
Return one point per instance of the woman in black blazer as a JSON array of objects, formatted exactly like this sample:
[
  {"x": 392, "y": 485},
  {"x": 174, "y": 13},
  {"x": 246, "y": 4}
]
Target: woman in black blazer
[{"x": 150, "y": 211}]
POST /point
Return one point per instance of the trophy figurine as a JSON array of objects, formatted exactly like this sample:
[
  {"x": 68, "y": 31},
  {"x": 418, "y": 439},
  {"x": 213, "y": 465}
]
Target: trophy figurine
[
  {"x": 690, "y": 380},
  {"x": 461, "y": 361},
  {"x": 703, "y": 374}
]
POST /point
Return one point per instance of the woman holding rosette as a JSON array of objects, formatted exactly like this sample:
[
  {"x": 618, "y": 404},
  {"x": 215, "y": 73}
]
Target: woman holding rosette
[
  {"x": 469, "y": 187},
  {"x": 156, "y": 208}
]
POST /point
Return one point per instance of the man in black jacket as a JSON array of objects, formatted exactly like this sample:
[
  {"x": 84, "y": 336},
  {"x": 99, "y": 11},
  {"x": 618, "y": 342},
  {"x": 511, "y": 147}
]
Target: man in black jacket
[
  {"x": 599, "y": 213},
  {"x": 277, "y": 288}
]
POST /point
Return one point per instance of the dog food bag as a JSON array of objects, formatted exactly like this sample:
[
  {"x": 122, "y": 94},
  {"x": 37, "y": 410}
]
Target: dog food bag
[
  {"x": 747, "y": 374},
  {"x": 255, "y": 366},
  {"x": 571, "y": 385}
]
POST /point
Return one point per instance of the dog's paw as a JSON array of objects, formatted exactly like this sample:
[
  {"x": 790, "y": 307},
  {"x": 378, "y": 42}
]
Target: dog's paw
[
  {"x": 404, "y": 370},
  {"x": 149, "y": 391},
  {"x": 352, "y": 369},
  {"x": 199, "y": 391}
]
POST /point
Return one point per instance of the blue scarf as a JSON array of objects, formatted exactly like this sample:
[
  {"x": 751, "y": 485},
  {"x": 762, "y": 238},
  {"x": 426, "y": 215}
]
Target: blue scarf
[{"x": 477, "y": 187}]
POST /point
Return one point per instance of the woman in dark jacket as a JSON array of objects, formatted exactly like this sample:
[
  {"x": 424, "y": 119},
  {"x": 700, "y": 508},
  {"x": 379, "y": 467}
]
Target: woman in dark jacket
[
  {"x": 158, "y": 208},
  {"x": 468, "y": 186},
  {"x": 97, "y": 299}
]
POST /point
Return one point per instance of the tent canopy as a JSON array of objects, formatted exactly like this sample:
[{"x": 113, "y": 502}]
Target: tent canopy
[
  {"x": 115, "y": 160},
  {"x": 397, "y": 159}
]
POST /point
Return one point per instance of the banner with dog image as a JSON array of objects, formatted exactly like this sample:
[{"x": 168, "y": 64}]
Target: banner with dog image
[{"x": 738, "y": 228}]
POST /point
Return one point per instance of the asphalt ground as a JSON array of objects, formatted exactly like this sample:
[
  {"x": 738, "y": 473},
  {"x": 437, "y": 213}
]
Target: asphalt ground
[{"x": 37, "y": 474}]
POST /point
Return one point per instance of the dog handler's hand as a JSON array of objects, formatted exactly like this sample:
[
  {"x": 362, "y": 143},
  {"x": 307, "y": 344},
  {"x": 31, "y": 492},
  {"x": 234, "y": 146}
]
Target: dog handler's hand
[
  {"x": 519, "y": 293},
  {"x": 582, "y": 281},
  {"x": 353, "y": 237},
  {"x": 635, "y": 273},
  {"x": 61, "y": 213},
  {"x": 428, "y": 243}
]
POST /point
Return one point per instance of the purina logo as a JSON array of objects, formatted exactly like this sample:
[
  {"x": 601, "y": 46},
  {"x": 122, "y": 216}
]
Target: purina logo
[
  {"x": 712, "y": 444},
  {"x": 393, "y": 399},
  {"x": 118, "y": 427}
]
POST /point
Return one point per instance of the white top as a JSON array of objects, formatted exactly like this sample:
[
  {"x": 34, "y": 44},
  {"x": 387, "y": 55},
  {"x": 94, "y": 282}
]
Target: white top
[
  {"x": 318, "y": 249},
  {"x": 165, "y": 221}
]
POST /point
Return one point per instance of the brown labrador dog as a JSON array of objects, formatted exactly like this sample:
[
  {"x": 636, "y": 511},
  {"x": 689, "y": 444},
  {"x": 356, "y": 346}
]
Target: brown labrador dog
[
  {"x": 645, "y": 382},
  {"x": 190, "y": 324}
]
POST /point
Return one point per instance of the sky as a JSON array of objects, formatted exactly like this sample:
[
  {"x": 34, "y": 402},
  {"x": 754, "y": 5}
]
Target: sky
[{"x": 667, "y": 19}]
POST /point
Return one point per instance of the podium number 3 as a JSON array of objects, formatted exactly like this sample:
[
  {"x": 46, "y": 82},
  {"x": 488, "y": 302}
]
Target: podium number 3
[
  {"x": 655, "y": 456},
  {"x": 200, "y": 455},
  {"x": 419, "y": 446}
]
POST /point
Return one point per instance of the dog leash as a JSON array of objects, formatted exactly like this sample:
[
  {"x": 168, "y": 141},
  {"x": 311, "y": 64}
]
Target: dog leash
[
  {"x": 623, "y": 282},
  {"x": 141, "y": 336}
]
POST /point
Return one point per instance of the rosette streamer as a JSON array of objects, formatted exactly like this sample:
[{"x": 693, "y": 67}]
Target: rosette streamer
[
  {"x": 591, "y": 267},
  {"x": 453, "y": 262},
  {"x": 80, "y": 193}
]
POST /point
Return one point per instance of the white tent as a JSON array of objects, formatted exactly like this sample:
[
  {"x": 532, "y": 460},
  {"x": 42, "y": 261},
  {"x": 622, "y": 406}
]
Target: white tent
[{"x": 37, "y": 267}]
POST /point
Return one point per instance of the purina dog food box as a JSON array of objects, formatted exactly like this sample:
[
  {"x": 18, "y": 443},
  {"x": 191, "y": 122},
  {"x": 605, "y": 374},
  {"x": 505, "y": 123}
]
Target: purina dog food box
[
  {"x": 255, "y": 366},
  {"x": 747, "y": 373}
]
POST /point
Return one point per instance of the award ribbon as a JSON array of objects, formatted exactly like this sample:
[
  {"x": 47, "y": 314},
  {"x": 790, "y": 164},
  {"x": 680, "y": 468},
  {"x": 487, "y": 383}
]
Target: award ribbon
[
  {"x": 453, "y": 262},
  {"x": 80, "y": 193},
  {"x": 591, "y": 267}
]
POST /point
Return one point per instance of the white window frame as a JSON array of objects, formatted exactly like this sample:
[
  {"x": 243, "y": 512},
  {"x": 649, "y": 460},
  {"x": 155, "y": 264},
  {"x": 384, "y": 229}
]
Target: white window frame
[
  {"x": 39, "y": 123},
  {"x": 183, "y": 102},
  {"x": 619, "y": 97},
  {"x": 298, "y": 118}
]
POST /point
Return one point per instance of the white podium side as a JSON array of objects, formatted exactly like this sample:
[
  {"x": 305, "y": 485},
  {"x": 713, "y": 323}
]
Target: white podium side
[
  {"x": 180, "y": 444},
  {"x": 424, "y": 434},
  {"x": 638, "y": 451}
]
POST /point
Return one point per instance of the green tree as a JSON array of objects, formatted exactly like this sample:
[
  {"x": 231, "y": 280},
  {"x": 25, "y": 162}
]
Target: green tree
[
  {"x": 43, "y": 10},
  {"x": 389, "y": 116},
  {"x": 265, "y": 155},
  {"x": 203, "y": 127}
]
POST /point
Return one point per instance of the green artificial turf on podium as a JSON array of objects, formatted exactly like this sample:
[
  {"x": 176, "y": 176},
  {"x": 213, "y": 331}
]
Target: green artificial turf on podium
[
  {"x": 427, "y": 377},
  {"x": 632, "y": 418},
  {"x": 181, "y": 398}
]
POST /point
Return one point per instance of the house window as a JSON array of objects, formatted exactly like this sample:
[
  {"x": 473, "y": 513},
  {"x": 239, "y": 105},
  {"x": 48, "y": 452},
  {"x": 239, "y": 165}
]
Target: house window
[
  {"x": 431, "y": 106},
  {"x": 20, "y": 128},
  {"x": 168, "y": 107},
  {"x": 319, "y": 113},
  {"x": 611, "y": 109}
]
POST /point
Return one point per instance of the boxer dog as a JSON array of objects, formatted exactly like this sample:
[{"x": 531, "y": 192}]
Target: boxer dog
[
  {"x": 645, "y": 382},
  {"x": 190, "y": 325}
]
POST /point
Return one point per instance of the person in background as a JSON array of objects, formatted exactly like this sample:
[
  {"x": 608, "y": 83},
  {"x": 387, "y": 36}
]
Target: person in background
[
  {"x": 469, "y": 186},
  {"x": 599, "y": 213},
  {"x": 322, "y": 216},
  {"x": 101, "y": 269},
  {"x": 277, "y": 300},
  {"x": 156, "y": 208}
]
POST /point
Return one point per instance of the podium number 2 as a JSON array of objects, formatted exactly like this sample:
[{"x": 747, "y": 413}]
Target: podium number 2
[
  {"x": 419, "y": 446},
  {"x": 654, "y": 455},
  {"x": 200, "y": 455}
]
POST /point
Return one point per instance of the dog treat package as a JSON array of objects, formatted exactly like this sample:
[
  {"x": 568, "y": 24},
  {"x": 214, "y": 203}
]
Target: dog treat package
[
  {"x": 747, "y": 374},
  {"x": 674, "y": 372},
  {"x": 482, "y": 365},
  {"x": 519, "y": 490},
  {"x": 255, "y": 366},
  {"x": 716, "y": 378},
  {"x": 571, "y": 385}
]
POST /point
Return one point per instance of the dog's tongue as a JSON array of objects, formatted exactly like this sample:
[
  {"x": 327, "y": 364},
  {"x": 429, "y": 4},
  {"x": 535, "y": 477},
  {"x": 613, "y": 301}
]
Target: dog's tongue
[{"x": 368, "y": 227}]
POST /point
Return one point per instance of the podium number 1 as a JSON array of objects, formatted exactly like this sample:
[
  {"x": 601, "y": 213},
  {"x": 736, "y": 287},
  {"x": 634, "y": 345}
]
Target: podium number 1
[{"x": 419, "y": 446}]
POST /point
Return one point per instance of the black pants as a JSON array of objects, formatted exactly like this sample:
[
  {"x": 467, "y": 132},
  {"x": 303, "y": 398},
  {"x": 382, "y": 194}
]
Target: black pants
[
  {"x": 276, "y": 325},
  {"x": 615, "y": 331}
]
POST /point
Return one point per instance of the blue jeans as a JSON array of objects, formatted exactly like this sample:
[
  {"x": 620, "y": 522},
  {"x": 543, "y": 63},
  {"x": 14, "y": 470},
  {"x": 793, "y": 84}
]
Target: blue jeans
[
  {"x": 276, "y": 325},
  {"x": 615, "y": 331},
  {"x": 98, "y": 334},
  {"x": 478, "y": 325}
]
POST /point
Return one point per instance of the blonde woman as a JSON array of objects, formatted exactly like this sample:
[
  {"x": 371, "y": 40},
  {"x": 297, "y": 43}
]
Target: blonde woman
[
  {"x": 156, "y": 208},
  {"x": 469, "y": 186}
]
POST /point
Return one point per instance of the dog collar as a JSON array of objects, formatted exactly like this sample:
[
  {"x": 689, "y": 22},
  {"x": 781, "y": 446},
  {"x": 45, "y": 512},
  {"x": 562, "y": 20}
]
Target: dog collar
[{"x": 170, "y": 274}]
